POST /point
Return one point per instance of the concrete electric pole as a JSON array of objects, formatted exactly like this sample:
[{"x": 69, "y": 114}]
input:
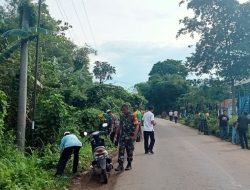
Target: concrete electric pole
[{"x": 22, "y": 99}]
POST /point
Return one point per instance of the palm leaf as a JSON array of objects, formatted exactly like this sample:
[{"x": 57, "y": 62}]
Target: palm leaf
[
  {"x": 38, "y": 29},
  {"x": 9, "y": 51},
  {"x": 15, "y": 32}
]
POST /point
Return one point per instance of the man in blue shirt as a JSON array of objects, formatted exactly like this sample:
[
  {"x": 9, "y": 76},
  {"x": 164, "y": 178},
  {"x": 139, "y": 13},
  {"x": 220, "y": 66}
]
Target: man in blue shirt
[{"x": 70, "y": 144}]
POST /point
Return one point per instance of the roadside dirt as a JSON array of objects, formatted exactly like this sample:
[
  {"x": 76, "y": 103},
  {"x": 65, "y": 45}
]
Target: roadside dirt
[{"x": 87, "y": 180}]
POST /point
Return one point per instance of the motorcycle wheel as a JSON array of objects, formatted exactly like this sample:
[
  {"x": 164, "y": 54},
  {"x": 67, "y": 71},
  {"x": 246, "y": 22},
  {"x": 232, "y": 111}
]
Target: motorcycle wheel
[{"x": 104, "y": 176}]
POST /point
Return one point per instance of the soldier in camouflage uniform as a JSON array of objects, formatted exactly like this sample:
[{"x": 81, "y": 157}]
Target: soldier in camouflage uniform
[{"x": 128, "y": 132}]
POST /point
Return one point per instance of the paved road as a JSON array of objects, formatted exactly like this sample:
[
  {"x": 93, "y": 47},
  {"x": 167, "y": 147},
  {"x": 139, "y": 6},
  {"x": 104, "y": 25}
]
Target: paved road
[{"x": 184, "y": 160}]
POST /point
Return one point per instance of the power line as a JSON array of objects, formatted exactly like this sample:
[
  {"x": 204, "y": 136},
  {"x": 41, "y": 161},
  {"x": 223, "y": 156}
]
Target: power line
[
  {"x": 63, "y": 14},
  {"x": 89, "y": 24},
  {"x": 128, "y": 83},
  {"x": 58, "y": 5},
  {"x": 79, "y": 20}
]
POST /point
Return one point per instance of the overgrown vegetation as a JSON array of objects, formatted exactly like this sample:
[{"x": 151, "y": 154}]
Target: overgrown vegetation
[
  {"x": 167, "y": 82},
  {"x": 213, "y": 125},
  {"x": 68, "y": 100},
  {"x": 223, "y": 46},
  {"x": 222, "y": 52},
  {"x": 168, "y": 88},
  {"x": 194, "y": 121}
]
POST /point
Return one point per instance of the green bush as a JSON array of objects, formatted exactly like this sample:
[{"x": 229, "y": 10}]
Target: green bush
[
  {"x": 53, "y": 114},
  {"x": 196, "y": 121},
  {"x": 36, "y": 170},
  {"x": 89, "y": 119},
  {"x": 19, "y": 171},
  {"x": 111, "y": 103},
  {"x": 212, "y": 124},
  {"x": 48, "y": 156},
  {"x": 232, "y": 120},
  {"x": 3, "y": 111},
  {"x": 190, "y": 121},
  {"x": 24, "y": 172}
]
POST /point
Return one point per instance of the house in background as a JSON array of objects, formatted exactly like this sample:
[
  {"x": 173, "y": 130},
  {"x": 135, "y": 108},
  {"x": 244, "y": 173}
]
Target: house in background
[
  {"x": 242, "y": 90},
  {"x": 226, "y": 105},
  {"x": 243, "y": 96}
]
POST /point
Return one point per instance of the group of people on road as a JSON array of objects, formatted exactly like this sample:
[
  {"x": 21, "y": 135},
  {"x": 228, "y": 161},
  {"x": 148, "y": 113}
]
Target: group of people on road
[
  {"x": 129, "y": 131},
  {"x": 203, "y": 123},
  {"x": 123, "y": 132},
  {"x": 173, "y": 115},
  {"x": 239, "y": 128}
]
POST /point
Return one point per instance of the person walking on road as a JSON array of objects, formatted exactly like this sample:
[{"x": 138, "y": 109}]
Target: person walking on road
[
  {"x": 171, "y": 114},
  {"x": 175, "y": 116},
  {"x": 128, "y": 130},
  {"x": 203, "y": 123},
  {"x": 223, "y": 122},
  {"x": 243, "y": 122},
  {"x": 70, "y": 144},
  {"x": 138, "y": 115},
  {"x": 149, "y": 123},
  {"x": 235, "y": 133}
]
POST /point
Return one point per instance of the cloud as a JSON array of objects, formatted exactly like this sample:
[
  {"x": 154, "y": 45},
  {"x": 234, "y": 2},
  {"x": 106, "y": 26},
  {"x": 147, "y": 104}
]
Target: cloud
[
  {"x": 130, "y": 20},
  {"x": 131, "y": 35},
  {"x": 134, "y": 60}
]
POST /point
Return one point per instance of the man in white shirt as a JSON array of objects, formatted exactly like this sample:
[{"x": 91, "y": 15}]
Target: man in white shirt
[
  {"x": 171, "y": 113},
  {"x": 149, "y": 123},
  {"x": 175, "y": 116}
]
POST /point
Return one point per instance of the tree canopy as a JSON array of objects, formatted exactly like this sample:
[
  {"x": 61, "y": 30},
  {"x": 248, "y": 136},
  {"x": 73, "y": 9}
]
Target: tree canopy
[
  {"x": 223, "y": 47},
  {"x": 103, "y": 71},
  {"x": 169, "y": 67},
  {"x": 223, "y": 27},
  {"x": 66, "y": 87},
  {"x": 166, "y": 84}
]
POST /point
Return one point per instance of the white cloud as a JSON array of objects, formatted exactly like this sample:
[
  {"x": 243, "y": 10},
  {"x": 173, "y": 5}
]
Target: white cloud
[
  {"x": 131, "y": 35},
  {"x": 130, "y": 20},
  {"x": 243, "y": 1},
  {"x": 134, "y": 60}
]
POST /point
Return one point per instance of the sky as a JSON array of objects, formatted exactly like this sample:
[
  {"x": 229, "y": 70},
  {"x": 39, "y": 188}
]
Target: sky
[{"x": 131, "y": 35}]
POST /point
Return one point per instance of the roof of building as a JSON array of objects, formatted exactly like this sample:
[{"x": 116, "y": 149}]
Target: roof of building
[
  {"x": 238, "y": 83},
  {"x": 226, "y": 103}
]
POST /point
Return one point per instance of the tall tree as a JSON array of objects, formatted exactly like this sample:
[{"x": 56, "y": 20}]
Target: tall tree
[
  {"x": 165, "y": 85},
  {"x": 169, "y": 67},
  {"x": 103, "y": 71},
  {"x": 223, "y": 27}
]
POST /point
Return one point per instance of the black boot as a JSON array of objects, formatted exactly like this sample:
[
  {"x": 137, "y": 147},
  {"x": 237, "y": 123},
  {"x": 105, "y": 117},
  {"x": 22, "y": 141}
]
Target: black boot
[
  {"x": 129, "y": 166},
  {"x": 119, "y": 168}
]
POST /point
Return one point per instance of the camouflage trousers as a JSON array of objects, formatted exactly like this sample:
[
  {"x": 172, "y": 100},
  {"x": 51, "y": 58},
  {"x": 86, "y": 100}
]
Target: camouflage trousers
[{"x": 128, "y": 145}]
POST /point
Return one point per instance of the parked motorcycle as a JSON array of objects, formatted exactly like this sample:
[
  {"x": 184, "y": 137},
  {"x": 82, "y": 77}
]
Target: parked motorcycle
[
  {"x": 102, "y": 163},
  {"x": 104, "y": 128}
]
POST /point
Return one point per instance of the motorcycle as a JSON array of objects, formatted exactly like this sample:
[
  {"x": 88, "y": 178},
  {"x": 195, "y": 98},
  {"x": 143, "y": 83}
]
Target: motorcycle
[{"x": 102, "y": 163}]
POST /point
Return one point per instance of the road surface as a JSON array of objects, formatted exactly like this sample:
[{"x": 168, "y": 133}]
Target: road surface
[{"x": 183, "y": 160}]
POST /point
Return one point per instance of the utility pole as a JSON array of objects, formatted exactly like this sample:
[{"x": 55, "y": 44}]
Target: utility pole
[
  {"x": 36, "y": 72},
  {"x": 22, "y": 99}
]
